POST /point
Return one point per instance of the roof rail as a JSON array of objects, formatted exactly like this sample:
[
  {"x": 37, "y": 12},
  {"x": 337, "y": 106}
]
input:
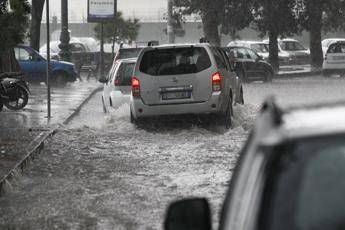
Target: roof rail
[{"x": 271, "y": 106}]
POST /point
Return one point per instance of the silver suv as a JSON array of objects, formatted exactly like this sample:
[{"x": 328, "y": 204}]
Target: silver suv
[{"x": 184, "y": 79}]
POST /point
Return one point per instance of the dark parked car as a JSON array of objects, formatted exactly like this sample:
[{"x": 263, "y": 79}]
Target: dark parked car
[
  {"x": 290, "y": 175},
  {"x": 249, "y": 65},
  {"x": 33, "y": 66}
]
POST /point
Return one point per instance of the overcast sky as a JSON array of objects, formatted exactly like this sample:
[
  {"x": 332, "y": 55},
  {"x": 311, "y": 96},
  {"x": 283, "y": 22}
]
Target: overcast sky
[{"x": 142, "y": 9}]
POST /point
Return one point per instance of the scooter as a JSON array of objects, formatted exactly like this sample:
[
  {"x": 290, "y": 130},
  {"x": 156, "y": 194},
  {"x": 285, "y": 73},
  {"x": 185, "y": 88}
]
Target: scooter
[{"x": 14, "y": 91}]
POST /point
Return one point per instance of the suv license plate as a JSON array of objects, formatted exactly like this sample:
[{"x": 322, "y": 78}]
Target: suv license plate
[{"x": 176, "y": 95}]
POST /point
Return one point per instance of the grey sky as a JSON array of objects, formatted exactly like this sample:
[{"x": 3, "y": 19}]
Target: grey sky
[{"x": 142, "y": 9}]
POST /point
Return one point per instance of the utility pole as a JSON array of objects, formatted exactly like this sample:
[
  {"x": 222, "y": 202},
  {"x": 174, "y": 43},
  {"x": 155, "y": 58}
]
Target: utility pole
[
  {"x": 48, "y": 61},
  {"x": 101, "y": 69},
  {"x": 170, "y": 28},
  {"x": 64, "y": 46}
]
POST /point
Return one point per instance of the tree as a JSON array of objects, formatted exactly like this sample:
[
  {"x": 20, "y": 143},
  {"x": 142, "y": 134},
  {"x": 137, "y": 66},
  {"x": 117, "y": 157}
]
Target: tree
[
  {"x": 318, "y": 16},
  {"x": 237, "y": 15},
  {"x": 13, "y": 24},
  {"x": 210, "y": 13},
  {"x": 35, "y": 25},
  {"x": 120, "y": 28},
  {"x": 276, "y": 19}
]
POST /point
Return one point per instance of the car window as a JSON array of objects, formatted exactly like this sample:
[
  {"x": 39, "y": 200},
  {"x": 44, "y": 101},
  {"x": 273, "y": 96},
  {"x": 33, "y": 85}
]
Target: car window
[
  {"x": 261, "y": 48},
  {"x": 336, "y": 48},
  {"x": 112, "y": 71},
  {"x": 129, "y": 53},
  {"x": 22, "y": 54},
  {"x": 124, "y": 74},
  {"x": 291, "y": 46},
  {"x": 77, "y": 48},
  {"x": 306, "y": 188},
  {"x": 221, "y": 63},
  {"x": 175, "y": 61},
  {"x": 242, "y": 53},
  {"x": 252, "y": 54}
]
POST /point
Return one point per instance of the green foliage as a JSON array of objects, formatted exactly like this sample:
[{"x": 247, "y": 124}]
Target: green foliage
[
  {"x": 279, "y": 16},
  {"x": 120, "y": 28},
  {"x": 13, "y": 23},
  {"x": 237, "y": 15},
  {"x": 332, "y": 14}
]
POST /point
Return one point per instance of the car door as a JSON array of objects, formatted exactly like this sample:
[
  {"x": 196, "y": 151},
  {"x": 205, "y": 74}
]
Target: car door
[
  {"x": 259, "y": 68},
  {"x": 109, "y": 85},
  {"x": 26, "y": 64}
]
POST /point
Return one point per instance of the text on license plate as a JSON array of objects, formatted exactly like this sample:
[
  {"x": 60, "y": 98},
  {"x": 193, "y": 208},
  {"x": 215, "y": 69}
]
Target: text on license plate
[{"x": 176, "y": 95}]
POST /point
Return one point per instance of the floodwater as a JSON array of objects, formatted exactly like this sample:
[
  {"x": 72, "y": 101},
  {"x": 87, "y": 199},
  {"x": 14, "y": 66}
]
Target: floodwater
[{"x": 102, "y": 172}]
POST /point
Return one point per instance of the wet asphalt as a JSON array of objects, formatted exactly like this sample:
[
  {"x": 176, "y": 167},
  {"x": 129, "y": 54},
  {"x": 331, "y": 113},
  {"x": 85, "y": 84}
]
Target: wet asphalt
[{"x": 101, "y": 172}]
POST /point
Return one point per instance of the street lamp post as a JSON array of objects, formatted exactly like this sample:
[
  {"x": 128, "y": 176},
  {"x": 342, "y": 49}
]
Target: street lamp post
[{"x": 64, "y": 46}]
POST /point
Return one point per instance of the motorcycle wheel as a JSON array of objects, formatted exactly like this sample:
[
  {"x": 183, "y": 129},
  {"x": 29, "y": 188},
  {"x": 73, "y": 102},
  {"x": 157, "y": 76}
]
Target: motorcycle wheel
[{"x": 22, "y": 98}]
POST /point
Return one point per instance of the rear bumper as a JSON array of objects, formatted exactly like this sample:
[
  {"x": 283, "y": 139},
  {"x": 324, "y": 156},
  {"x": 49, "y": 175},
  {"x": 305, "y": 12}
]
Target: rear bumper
[{"x": 139, "y": 109}]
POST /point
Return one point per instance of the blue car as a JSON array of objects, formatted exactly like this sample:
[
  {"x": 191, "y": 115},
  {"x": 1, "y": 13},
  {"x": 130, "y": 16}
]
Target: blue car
[{"x": 33, "y": 65}]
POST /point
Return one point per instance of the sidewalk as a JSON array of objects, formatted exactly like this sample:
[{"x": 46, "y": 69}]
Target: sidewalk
[{"x": 23, "y": 133}]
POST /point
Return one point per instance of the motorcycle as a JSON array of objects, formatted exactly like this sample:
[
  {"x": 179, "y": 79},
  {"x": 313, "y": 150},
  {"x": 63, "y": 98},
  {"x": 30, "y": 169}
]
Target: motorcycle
[{"x": 14, "y": 91}]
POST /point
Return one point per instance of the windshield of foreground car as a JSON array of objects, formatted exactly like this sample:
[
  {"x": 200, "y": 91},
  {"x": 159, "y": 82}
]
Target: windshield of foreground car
[
  {"x": 175, "y": 61},
  {"x": 307, "y": 188}
]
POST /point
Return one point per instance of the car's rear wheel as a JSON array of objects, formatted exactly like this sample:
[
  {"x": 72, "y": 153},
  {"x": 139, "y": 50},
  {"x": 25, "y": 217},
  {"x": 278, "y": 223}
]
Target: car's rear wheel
[
  {"x": 225, "y": 118},
  {"x": 241, "y": 97},
  {"x": 133, "y": 120},
  {"x": 59, "y": 79},
  {"x": 268, "y": 76},
  {"x": 104, "y": 108}
]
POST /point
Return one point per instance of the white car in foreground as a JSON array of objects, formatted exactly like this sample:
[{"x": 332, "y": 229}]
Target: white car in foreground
[
  {"x": 334, "y": 61},
  {"x": 117, "y": 87}
]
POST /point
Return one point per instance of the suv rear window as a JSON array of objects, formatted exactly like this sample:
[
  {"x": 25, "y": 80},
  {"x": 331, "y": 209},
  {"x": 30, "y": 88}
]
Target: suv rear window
[
  {"x": 336, "y": 48},
  {"x": 175, "y": 61}
]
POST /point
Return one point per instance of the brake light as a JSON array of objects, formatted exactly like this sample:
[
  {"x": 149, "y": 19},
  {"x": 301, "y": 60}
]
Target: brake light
[
  {"x": 117, "y": 82},
  {"x": 135, "y": 87},
  {"x": 216, "y": 82}
]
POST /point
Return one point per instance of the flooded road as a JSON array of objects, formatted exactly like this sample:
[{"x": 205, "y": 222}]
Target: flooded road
[{"x": 102, "y": 172}]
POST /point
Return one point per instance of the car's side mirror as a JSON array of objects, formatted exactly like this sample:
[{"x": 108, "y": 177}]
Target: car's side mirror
[
  {"x": 189, "y": 214},
  {"x": 103, "y": 80},
  {"x": 260, "y": 58}
]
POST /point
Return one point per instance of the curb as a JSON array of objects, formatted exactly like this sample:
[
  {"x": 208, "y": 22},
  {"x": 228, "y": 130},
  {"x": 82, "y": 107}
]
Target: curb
[
  {"x": 37, "y": 145},
  {"x": 298, "y": 74}
]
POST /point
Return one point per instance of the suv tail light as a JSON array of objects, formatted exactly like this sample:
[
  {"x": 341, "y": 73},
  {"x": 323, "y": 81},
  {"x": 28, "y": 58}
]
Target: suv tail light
[
  {"x": 135, "y": 87},
  {"x": 216, "y": 82}
]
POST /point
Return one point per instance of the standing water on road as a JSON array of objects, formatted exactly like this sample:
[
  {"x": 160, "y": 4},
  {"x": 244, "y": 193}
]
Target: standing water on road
[{"x": 102, "y": 172}]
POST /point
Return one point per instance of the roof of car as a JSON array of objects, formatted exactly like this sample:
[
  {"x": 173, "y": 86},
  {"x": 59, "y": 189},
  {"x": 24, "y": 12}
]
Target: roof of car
[
  {"x": 307, "y": 121},
  {"x": 246, "y": 41},
  {"x": 128, "y": 60},
  {"x": 181, "y": 45}
]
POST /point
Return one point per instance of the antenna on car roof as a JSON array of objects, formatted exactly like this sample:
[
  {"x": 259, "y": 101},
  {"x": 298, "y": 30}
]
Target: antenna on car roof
[{"x": 271, "y": 105}]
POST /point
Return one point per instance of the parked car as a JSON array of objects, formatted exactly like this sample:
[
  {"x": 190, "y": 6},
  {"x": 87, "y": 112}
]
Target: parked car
[
  {"x": 290, "y": 175},
  {"x": 292, "y": 52},
  {"x": 327, "y": 42},
  {"x": 118, "y": 85},
  {"x": 34, "y": 67},
  {"x": 261, "y": 48},
  {"x": 334, "y": 60},
  {"x": 134, "y": 51},
  {"x": 184, "y": 79},
  {"x": 249, "y": 65}
]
